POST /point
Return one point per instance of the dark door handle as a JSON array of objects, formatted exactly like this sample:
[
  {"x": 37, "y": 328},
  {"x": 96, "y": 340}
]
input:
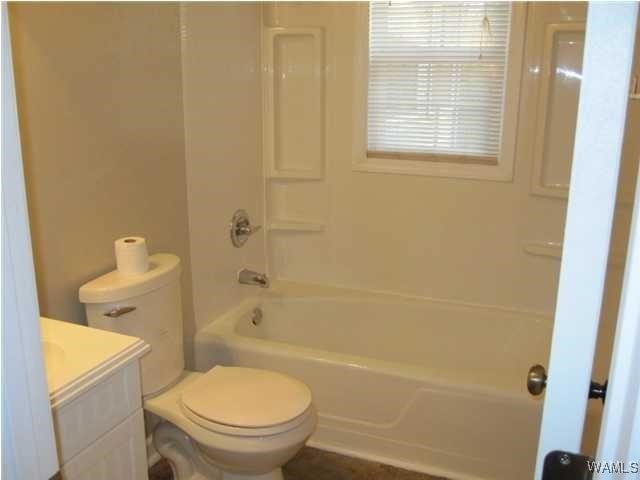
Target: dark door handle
[{"x": 537, "y": 382}]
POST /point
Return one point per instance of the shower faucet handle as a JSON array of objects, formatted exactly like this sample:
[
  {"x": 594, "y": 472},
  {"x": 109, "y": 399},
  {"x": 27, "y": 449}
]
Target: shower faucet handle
[
  {"x": 247, "y": 229},
  {"x": 241, "y": 228}
]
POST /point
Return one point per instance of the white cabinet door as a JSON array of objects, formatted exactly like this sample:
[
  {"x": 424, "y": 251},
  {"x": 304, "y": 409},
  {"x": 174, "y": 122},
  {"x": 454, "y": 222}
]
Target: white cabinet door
[
  {"x": 604, "y": 93},
  {"x": 120, "y": 453}
]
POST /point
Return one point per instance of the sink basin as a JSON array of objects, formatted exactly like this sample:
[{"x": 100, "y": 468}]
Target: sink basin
[{"x": 54, "y": 357}]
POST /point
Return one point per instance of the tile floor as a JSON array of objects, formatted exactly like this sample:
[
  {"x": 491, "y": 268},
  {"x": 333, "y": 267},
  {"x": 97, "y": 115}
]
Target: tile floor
[{"x": 313, "y": 464}]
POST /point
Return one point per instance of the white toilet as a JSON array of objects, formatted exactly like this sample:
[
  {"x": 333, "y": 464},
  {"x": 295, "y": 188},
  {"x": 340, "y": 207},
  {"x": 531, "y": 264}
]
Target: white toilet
[{"x": 230, "y": 423}]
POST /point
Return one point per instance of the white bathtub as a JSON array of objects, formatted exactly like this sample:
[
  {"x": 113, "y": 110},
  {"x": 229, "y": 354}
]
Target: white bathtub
[{"x": 432, "y": 386}]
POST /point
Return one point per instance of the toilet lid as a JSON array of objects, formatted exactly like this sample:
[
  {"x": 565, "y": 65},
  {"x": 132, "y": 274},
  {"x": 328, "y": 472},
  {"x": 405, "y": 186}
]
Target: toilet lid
[{"x": 246, "y": 397}]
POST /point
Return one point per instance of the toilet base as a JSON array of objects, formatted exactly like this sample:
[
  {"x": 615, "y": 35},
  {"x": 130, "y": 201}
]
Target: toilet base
[
  {"x": 187, "y": 461},
  {"x": 274, "y": 475}
]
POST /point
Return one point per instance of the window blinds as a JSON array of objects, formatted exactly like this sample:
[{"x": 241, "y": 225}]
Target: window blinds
[{"x": 436, "y": 78}]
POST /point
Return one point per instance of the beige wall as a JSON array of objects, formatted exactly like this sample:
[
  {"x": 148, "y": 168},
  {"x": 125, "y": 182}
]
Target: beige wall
[
  {"x": 222, "y": 129},
  {"x": 100, "y": 104}
]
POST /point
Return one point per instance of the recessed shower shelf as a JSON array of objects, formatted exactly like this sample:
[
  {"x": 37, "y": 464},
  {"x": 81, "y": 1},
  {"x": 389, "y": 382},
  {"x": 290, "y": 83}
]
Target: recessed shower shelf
[
  {"x": 293, "y": 102},
  {"x": 287, "y": 225}
]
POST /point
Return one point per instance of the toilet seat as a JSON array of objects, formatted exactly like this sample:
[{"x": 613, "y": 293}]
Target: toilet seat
[
  {"x": 214, "y": 427},
  {"x": 168, "y": 406},
  {"x": 246, "y": 401}
]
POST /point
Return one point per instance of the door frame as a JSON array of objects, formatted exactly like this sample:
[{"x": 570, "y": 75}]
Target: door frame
[
  {"x": 28, "y": 441},
  {"x": 620, "y": 431}
]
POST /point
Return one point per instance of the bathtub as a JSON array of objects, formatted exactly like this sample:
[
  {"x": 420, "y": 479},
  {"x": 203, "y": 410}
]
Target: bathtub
[{"x": 431, "y": 386}]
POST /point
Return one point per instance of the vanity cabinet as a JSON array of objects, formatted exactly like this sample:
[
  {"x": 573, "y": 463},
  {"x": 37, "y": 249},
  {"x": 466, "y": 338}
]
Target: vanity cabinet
[
  {"x": 100, "y": 435},
  {"x": 97, "y": 408}
]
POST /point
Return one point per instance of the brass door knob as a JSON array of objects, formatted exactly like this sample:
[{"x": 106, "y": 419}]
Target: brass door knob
[{"x": 536, "y": 380}]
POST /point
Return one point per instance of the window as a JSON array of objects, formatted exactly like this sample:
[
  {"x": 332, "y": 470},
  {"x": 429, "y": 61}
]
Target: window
[{"x": 442, "y": 86}]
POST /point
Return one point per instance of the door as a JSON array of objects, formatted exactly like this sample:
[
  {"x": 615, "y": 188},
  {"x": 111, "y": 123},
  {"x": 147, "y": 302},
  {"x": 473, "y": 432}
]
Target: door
[
  {"x": 28, "y": 443},
  {"x": 604, "y": 94}
]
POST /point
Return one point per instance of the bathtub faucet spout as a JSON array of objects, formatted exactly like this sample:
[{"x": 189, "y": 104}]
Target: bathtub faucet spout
[{"x": 249, "y": 277}]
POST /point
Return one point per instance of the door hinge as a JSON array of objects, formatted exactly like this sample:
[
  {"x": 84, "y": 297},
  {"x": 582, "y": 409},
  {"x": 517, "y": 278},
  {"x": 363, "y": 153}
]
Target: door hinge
[{"x": 559, "y": 465}]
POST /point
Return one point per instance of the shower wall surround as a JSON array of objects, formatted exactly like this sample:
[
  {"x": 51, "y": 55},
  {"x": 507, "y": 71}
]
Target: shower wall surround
[
  {"x": 485, "y": 242},
  {"x": 221, "y": 84}
]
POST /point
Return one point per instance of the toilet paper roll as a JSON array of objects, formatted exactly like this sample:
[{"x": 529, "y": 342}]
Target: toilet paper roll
[{"x": 131, "y": 255}]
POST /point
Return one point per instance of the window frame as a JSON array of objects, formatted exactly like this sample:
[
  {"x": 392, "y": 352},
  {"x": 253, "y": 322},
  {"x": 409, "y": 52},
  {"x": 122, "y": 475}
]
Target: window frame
[{"x": 437, "y": 165}]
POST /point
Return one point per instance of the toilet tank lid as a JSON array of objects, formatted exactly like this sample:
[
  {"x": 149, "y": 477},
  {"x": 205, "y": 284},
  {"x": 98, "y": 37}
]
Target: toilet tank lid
[{"x": 113, "y": 286}]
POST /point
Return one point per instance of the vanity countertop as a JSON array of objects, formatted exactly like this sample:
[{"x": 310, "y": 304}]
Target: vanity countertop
[{"x": 78, "y": 357}]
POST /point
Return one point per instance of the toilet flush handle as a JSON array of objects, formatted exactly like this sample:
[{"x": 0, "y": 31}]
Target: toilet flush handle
[{"x": 117, "y": 312}]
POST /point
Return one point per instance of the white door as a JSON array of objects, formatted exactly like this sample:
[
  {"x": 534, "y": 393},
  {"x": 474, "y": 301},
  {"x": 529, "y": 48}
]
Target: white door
[
  {"x": 604, "y": 94},
  {"x": 28, "y": 443}
]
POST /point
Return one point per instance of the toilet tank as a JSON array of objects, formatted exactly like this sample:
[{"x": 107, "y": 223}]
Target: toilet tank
[{"x": 147, "y": 306}]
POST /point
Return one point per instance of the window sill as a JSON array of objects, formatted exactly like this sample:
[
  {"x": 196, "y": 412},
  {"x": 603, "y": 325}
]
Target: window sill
[
  {"x": 438, "y": 168},
  {"x": 433, "y": 157}
]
